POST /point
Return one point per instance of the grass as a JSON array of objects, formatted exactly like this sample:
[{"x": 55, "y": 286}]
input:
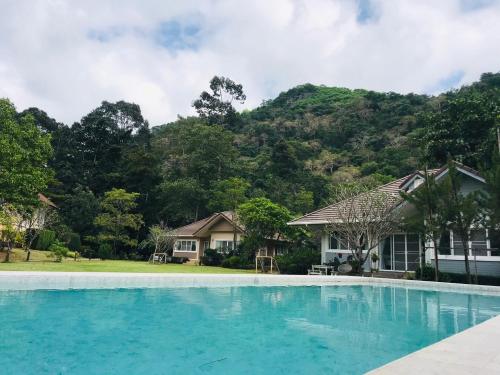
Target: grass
[{"x": 43, "y": 263}]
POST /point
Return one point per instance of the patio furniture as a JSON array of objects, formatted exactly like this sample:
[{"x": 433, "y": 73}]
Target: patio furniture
[
  {"x": 345, "y": 268},
  {"x": 320, "y": 269}
]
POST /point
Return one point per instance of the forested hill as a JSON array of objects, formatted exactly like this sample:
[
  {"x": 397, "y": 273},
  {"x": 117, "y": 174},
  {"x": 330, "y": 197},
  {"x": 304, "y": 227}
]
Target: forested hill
[{"x": 293, "y": 149}]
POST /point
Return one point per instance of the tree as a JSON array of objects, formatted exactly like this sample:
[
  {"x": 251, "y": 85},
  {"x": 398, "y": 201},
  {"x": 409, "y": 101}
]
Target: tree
[
  {"x": 34, "y": 219},
  {"x": 430, "y": 217},
  {"x": 189, "y": 149},
  {"x": 464, "y": 211},
  {"x": 263, "y": 220},
  {"x": 181, "y": 200},
  {"x": 117, "y": 220},
  {"x": 228, "y": 195},
  {"x": 462, "y": 127},
  {"x": 284, "y": 160},
  {"x": 217, "y": 107},
  {"x": 24, "y": 153},
  {"x": 9, "y": 219},
  {"x": 79, "y": 210},
  {"x": 491, "y": 199},
  {"x": 161, "y": 237},
  {"x": 363, "y": 218},
  {"x": 99, "y": 142}
]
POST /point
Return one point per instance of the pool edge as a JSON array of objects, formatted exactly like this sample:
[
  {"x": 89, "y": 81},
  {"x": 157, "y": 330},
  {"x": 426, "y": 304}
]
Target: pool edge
[{"x": 472, "y": 351}]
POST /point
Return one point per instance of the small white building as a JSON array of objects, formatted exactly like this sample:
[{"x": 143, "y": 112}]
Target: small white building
[{"x": 404, "y": 252}]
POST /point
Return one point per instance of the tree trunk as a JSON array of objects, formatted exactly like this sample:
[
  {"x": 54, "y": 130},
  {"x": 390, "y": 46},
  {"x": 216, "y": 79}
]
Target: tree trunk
[
  {"x": 7, "y": 257},
  {"x": 235, "y": 235},
  {"x": 436, "y": 258},
  {"x": 465, "y": 244},
  {"x": 28, "y": 255}
]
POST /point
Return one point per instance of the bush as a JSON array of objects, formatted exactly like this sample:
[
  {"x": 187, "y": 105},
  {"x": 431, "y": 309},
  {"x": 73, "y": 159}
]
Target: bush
[
  {"x": 298, "y": 261},
  {"x": 426, "y": 273},
  {"x": 236, "y": 262},
  {"x": 58, "y": 250},
  {"x": 87, "y": 252},
  {"x": 74, "y": 243},
  {"x": 45, "y": 239},
  {"x": 105, "y": 251},
  {"x": 211, "y": 258}
]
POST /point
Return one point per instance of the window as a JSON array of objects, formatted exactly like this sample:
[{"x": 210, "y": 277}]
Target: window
[
  {"x": 444, "y": 244},
  {"x": 494, "y": 237},
  {"x": 224, "y": 246},
  {"x": 185, "y": 245},
  {"x": 334, "y": 243},
  {"x": 458, "y": 246},
  {"x": 337, "y": 243},
  {"x": 478, "y": 242}
]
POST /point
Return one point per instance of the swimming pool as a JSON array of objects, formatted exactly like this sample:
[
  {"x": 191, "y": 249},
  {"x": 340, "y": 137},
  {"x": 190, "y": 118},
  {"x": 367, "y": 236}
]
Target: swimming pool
[{"x": 344, "y": 329}]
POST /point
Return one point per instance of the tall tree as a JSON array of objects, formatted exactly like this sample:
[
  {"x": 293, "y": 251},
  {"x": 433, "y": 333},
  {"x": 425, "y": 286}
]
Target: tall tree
[
  {"x": 263, "y": 220},
  {"x": 217, "y": 106},
  {"x": 284, "y": 160},
  {"x": 228, "y": 195},
  {"x": 364, "y": 217},
  {"x": 462, "y": 126},
  {"x": 24, "y": 153},
  {"x": 79, "y": 210},
  {"x": 99, "y": 142},
  {"x": 464, "y": 211},
  {"x": 431, "y": 216},
  {"x": 117, "y": 220}
]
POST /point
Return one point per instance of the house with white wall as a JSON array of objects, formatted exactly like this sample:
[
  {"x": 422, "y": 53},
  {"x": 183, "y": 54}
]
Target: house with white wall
[{"x": 403, "y": 251}]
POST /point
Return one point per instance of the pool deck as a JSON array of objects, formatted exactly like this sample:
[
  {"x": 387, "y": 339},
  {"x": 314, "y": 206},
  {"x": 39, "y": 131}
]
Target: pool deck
[{"x": 475, "y": 350}]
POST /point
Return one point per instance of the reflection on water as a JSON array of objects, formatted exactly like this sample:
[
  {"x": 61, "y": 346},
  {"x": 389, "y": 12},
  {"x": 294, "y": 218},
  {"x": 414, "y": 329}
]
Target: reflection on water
[{"x": 240, "y": 330}]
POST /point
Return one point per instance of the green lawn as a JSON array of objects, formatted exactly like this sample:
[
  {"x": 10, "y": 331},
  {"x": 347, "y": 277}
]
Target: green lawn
[{"x": 84, "y": 265}]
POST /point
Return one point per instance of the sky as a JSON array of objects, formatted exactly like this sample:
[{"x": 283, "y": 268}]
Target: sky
[{"x": 65, "y": 57}]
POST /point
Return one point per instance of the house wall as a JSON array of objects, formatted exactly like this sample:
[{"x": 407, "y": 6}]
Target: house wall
[
  {"x": 222, "y": 236},
  {"x": 329, "y": 256},
  {"x": 188, "y": 254},
  {"x": 222, "y": 226},
  {"x": 484, "y": 268}
]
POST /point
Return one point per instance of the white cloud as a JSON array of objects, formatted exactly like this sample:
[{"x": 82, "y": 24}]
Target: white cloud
[{"x": 67, "y": 56}]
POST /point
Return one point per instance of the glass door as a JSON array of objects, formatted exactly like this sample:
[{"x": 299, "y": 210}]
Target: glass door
[{"x": 399, "y": 252}]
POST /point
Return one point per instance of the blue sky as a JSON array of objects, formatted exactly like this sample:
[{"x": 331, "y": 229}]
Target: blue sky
[{"x": 161, "y": 54}]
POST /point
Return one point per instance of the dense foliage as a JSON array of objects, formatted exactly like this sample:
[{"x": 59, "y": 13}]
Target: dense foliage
[{"x": 292, "y": 150}]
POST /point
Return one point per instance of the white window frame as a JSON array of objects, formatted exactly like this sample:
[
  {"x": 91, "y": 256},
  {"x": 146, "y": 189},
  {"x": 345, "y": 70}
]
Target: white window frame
[
  {"x": 227, "y": 248},
  {"x": 180, "y": 250},
  {"x": 452, "y": 256}
]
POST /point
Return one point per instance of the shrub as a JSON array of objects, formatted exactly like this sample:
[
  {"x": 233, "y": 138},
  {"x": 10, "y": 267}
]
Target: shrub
[
  {"x": 232, "y": 262},
  {"x": 105, "y": 251},
  {"x": 45, "y": 239},
  {"x": 74, "y": 243},
  {"x": 58, "y": 250},
  {"x": 211, "y": 258},
  {"x": 87, "y": 252},
  {"x": 298, "y": 261},
  {"x": 426, "y": 273}
]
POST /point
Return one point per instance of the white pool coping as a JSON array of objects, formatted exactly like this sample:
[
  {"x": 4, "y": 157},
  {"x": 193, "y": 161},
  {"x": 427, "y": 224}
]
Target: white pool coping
[
  {"x": 37, "y": 280},
  {"x": 475, "y": 350}
]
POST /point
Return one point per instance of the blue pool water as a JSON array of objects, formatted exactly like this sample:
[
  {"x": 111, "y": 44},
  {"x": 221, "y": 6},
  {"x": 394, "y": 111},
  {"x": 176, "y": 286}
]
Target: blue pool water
[{"x": 237, "y": 330}]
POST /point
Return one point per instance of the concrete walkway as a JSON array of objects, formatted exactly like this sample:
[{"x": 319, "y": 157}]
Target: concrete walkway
[{"x": 473, "y": 351}]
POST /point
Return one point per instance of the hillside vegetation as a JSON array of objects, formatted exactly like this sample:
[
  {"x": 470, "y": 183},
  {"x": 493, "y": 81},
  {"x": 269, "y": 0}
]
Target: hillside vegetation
[{"x": 294, "y": 149}]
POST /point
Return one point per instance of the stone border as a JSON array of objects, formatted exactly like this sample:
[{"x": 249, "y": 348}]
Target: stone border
[
  {"x": 31, "y": 280},
  {"x": 472, "y": 351}
]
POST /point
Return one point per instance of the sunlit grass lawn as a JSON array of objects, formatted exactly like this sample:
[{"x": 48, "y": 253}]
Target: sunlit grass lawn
[{"x": 42, "y": 263}]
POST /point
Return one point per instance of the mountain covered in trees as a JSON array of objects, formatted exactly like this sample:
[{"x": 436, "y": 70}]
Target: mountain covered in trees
[{"x": 294, "y": 150}]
